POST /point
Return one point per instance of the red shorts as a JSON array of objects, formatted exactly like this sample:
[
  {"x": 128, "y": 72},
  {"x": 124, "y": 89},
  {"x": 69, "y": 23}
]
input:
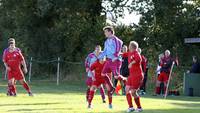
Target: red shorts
[
  {"x": 134, "y": 82},
  {"x": 17, "y": 75},
  {"x": 163, "y": 77},
  {"x": 89, "y": 81},
  {"x": 113, "y": 67},
  {"x": 98, "y": 82}
]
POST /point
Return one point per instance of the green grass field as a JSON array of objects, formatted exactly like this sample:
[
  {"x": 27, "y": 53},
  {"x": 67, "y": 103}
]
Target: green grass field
[{"x": 69, "y": 97}]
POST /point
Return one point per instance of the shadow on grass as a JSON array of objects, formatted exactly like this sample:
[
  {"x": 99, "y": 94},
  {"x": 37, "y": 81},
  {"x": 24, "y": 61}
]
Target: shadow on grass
[
  {"x": 187, "y": 105},
  {"x": 41, "y": 110},
  {"x": 34, "y": 104}
]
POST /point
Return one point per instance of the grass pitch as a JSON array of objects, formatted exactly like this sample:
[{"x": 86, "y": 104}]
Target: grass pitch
[{"x": 69, "y": 97}]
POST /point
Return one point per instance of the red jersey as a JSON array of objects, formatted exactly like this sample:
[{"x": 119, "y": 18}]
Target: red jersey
[
  {"x": 97, "y": 67},
  {"x": 136, "y": 69},
  {"x": 124, "y": 55},
  {"x": 13, "y": 59},
  {"x": 166, "y": 64}
]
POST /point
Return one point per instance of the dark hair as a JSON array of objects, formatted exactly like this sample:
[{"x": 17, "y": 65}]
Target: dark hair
[
  {"x": 110, "y": 29},
  {"x": 11, "y": 41}
]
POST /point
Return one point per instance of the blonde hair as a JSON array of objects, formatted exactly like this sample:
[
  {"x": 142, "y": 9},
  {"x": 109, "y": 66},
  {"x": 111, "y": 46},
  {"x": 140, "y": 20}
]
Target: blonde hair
[{"x": 134, "y": 44}]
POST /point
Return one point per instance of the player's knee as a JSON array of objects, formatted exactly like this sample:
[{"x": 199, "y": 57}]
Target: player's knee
[
  {"x": 93, "y": 88},
  {"x": 127, "y": 90},
  {"x": 134, "y": 92}
]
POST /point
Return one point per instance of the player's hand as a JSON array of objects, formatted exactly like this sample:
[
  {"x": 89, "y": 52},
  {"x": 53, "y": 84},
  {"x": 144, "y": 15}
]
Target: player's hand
[
  {"x": 25, "y": 70},
  {"x": 8, "y": 68},
  {"x": 130, "y": 65}
]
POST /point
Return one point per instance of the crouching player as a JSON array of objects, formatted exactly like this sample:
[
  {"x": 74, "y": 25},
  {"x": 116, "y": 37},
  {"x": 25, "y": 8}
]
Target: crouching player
[
  {"x": 98, "y": 81},
  {"x": 135, "y": 78},
  {"x": 14, "y": 61}
]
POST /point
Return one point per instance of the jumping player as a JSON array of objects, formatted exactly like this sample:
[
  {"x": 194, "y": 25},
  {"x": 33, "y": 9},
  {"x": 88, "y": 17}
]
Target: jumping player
[
  {"x": 14, "y": 62},
  {"x": 135, "y": 78},
  {"x": 91, "y": 58},
  {"x": 112, "y": 49},
  {"x": 98, "y": 81}
]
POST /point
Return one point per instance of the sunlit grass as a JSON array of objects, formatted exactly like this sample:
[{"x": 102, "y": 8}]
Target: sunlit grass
[{"x": 69, "y": 97}]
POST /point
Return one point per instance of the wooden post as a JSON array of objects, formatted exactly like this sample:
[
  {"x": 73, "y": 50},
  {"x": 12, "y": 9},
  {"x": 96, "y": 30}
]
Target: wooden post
[
  {"x": 30, "y": 69},
  {"x": 58, "y": 70}
]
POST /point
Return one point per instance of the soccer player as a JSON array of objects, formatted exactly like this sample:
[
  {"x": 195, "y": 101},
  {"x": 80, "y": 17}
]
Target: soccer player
[
  {"x": 91, "y": 58},
  {"x": 135, "y": 78},
  {"x": 144, "y": 65},
  {"x": 124, "y": 68},
  {"x": 166, "y": 63},
  {"x": 14, "y": 63},
  {"x": 158, "y": 89},
  {"x": 98, "y": 81},
  {"x": 112, "y": 49}
]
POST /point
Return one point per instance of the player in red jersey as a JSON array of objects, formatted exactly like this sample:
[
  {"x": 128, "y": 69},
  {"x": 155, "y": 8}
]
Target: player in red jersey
[
  {"x": 92, "y": 58},
  {"x": 97, "y": 67},
  {"x": 166, "y": 63},
  {"x": 135, "y": 78},
  {"x": 14, "y": 62}
]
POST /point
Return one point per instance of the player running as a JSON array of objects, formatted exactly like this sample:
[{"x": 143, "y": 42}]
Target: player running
[
  {"x": 91, "y": 58},
  {"x": 98, "y": 81},
  {"x": 14, "y": 63},
  {"x": 135, "y": 78}
]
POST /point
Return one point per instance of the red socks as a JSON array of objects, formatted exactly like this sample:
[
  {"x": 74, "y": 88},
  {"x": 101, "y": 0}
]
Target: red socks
[
  {"x": 11, "y": 89},
  {"x": 87, "y": 93},
  {"x": 102, "y": 92},
  {"x": 137, "y": 102},
  {"x": 136, "y": 99},
  {"x": 91, "y": 96},
  {"x": 25, "y": 85},
  {"x": 129, "y": 100}
]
